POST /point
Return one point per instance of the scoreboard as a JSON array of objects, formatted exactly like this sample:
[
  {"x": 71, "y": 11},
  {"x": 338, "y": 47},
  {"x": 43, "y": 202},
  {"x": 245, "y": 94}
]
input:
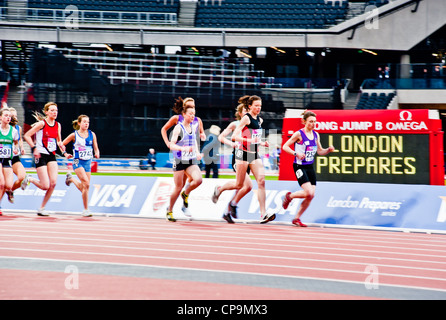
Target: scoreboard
[{"x": 376, "y": 146}]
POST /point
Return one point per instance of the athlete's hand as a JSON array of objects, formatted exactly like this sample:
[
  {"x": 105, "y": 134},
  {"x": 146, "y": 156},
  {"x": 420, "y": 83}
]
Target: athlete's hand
[
  {"x": 36, "y": 154},
  {"x": 300, "y": 156}
]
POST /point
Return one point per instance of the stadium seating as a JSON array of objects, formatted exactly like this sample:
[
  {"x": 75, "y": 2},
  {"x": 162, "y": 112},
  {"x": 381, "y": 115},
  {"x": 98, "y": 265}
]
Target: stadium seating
[
  {"x": 283, "y": 14},
  {"x": 107, "y": 11},
  {"x": 306, "y": 14},
  {"x": 374, "y": 100},
  {"x": 107, "y": 5},
  {"x": 171, "y": 70},
  {"x": 138, "y": 109},
  {"x": 4, "y": 79}
]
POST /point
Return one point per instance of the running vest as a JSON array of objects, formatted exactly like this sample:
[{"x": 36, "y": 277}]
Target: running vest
[
  {"x": 46, "y": 138},
  {"x": 307, "y": 147},
  {"x": 6, "y": 142},
  {"x": 187, "y": 139},
  {"x": 17, "y": 147},
  {"x": 252, "y": 131},
  {"x": 237, "y": 143},
  {"x": 83, "y": 147}
]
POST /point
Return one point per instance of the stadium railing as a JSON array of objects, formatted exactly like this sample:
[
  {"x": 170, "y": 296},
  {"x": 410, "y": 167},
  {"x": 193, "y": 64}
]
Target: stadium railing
[{"x": 88, "y": 16}]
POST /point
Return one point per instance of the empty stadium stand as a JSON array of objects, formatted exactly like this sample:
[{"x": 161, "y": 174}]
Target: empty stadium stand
[
  {"x": 171, "y": 70},
  {"x": 107, "y": 5},
  {"x": 131, "y": 110},
  {"x": 286, "y": 14},
  {"x": 375, "y": 100},
  {"x": 100, "y": 11},
  {"x": 4, "y": 87}
]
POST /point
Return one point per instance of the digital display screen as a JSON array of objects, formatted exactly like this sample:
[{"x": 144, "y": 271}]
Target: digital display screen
[{"x": 375, "y": 158}]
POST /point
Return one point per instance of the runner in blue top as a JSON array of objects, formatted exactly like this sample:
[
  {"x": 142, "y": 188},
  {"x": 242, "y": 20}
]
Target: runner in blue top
[
  {"x": 85, "y": 146},
  {"x": 306, "y": 145}
]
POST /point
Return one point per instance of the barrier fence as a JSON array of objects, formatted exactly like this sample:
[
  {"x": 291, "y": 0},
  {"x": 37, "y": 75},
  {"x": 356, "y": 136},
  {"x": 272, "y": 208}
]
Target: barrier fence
[{"x": 361, "y": 205}]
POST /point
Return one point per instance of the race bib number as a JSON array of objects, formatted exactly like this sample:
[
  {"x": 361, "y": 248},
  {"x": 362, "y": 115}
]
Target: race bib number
[
  {"x": 256, "y": 136},
  {"x": 85, "y": 153},
  {"x": 310, "y": 153},
  {"x": 52, "y": 145},
  {"x": 188, "y": 155},
  {"x": 299, "y": 173},
  {"x": 5, "y": 151}
]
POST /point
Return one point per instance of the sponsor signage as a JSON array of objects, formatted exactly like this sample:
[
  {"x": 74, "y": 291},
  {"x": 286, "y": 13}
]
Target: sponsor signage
[
  {"x": 108, "y": 194},
  {"x": 410, "y": 206},
  {"x": 382, "y": 146},
  {"x": 357, "y": 204}
]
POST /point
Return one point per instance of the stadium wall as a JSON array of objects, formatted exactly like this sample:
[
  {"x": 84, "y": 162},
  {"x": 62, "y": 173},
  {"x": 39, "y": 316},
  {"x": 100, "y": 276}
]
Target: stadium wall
[
  {"x": 419, "y": 208},
  {"x": 399, "y": 25}
]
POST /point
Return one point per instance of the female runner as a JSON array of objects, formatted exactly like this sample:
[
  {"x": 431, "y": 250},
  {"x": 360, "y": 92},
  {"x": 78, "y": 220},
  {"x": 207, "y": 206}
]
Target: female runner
[
  {"x": 17, "y": 166},
  {"x": 8, "y": 137},
  {"x": 306, "y": 145},
  {"x": 249, "y": 134},
  {"x": 84, "y": 146},
  {"x": 230, "y": 185},
  {"x": 48, "y": 139},
  {"x": 185, "y": 149},
  {"x": 178, "y": 106}
]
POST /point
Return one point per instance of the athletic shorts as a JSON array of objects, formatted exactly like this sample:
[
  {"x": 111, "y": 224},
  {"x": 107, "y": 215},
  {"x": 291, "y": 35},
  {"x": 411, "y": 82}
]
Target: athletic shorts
[
  {"x": 44, "y": 159},
  {"x": 246, "y": 156},
  {"x": 6, "y": 162},
  {"x": 304, "y": 173},
  {"x": 79, "y": 163},
  {"x": 15, "y": 159},
  {"x": 179, "y": 164},
  {"x": 248, "y": 171}
]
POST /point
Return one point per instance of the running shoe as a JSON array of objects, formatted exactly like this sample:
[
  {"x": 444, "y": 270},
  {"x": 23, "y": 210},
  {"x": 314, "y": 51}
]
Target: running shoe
[
  {"x": 169, "y": 216},
  {"x": 269, "y": 216},
  {"x": 298, "y": 223},
  {"x": 216, "y": 194},
  {"x": 186, "y": 211},
  {"x": 286, "y": 200},
  {"x": 68, "y": 178},
  {"x": 232, "y": 210},
  {"x": 185, "y": 199},
  {"x": 10, "y": 194},
  {"x": 86, "y": 213},
  {"x": 227, "y": 217},
  {"x": 25, "y": 182},
  {"x": 42, "y": 212}
]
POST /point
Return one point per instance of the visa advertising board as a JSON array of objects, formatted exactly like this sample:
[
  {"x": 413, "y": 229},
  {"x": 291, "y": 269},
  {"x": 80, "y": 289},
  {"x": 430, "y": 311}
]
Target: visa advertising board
[{"x": 410, "y": 206}]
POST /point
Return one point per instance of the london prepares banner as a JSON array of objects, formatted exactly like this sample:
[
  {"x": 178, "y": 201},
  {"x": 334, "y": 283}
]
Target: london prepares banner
[
  {"x": 380, "y": 146},
  {"x": 340, "y": 203}
]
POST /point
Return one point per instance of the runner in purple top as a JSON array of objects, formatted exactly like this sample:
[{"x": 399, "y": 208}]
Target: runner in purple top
[{"x": 306, "y": 145}]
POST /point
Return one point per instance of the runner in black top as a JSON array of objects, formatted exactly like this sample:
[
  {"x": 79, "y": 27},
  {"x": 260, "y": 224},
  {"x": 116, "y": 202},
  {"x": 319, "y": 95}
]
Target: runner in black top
[{"x": 249, "y": 133}]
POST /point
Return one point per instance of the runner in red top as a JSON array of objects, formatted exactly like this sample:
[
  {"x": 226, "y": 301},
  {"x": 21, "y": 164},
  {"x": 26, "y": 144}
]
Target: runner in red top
[{"x": 48, "y": 138}]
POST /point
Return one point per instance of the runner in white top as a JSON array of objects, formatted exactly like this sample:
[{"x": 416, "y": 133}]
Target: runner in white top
[{"x": 84, "y": 146}]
